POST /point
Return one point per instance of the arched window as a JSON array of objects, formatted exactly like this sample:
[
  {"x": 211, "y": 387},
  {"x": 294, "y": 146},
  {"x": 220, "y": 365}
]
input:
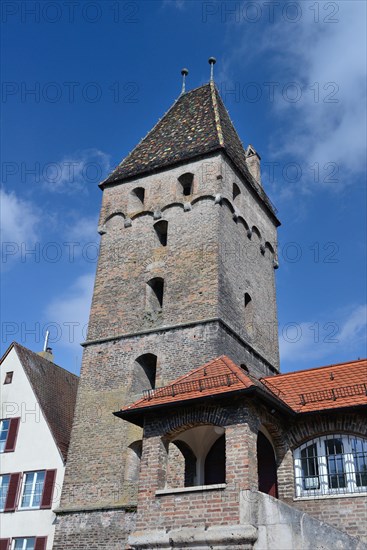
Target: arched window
[
  {"x": 215, "y": 463},
  {"x": 197, "y": 457},
  {"x": 249, "y": 313},
  {"x": 161, "y": 229},
  {"x": 136, "y": 199},
  {"x": 154, "y": 295},
  {"x": 266, "y": 466},
  {"x": 145, "y": 371},
  {"x": 186, "y": 181},
  {"x": 132, "y": 464},
  {"x": 181, "y": 468},
  {"x": 235, "y": 191},
  {"x": 332, "y": 464}
]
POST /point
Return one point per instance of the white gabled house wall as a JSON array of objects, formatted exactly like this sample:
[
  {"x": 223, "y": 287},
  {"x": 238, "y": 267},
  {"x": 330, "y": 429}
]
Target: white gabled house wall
[{"x": 35, "y": 449}]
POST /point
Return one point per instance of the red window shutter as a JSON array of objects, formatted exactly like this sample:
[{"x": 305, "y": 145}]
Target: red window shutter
[
  {"x": 12, "y": 435},
  {"x": 48, "y": 489},
  {"x": 13, "y": 493},
  {"x": 40, "y": 543},
  {"x": 4, "y": 544}
]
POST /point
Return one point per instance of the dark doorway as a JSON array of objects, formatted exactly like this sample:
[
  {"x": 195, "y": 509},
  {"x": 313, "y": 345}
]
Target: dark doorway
[
  {"x": 215, "y": 463},
  {"x": 266, "y": 466}
]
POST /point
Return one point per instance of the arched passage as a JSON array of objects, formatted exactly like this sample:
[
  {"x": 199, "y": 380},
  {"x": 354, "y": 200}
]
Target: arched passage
[{"x": 266, "y": 466}]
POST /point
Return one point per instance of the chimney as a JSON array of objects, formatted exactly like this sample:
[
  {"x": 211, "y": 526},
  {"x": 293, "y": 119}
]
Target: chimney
[
  {"x": 47, "y": 354},
  {"x": 253, "y": 163}
]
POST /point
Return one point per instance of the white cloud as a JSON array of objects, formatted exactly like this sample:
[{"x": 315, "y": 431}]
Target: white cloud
[
  {"x": 19, "y": 218},
  {"x": 67, "y": 315},
  {"x": 75, "y": 173},
  {"x": 19, "y": 223},
  {"x": 178, "y": 4},
  {"x": 316, "y": 341},
  {"x": 327, "y": 60},
  {"x": 83, "y": 230}
]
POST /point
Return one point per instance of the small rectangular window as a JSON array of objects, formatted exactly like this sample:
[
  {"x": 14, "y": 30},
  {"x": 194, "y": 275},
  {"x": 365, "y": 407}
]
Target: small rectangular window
[
  {"x": 335, "y": 463},
  {"x": 32, "y": 489},
  {"x": 8, "y": 377},
  {"x": 24, "y": 543},
  {"x": 359, "y": 450},
  {"x": 4, "y": 487},
  {"x": 310, "y": 469},
  {"x": 8, "y": 434}
]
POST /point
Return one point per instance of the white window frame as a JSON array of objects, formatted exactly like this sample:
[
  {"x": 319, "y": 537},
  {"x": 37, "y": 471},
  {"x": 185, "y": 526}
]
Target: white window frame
[
  {"x": 323, "y": 475},
  {"x": 1, "y": 483},
  {"x": 25, "y": 540},
  {"x": 30, "y": 506},
  {"x": 2, "y": 430}
]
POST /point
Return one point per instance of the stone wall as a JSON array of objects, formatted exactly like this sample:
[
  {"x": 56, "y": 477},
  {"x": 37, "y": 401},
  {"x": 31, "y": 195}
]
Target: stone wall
[{"x": 97, "y": 530}]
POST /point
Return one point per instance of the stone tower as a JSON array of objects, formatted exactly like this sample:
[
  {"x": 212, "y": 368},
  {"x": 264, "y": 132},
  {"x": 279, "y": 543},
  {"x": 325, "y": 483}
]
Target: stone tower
[{"x": 185, "y": 274}]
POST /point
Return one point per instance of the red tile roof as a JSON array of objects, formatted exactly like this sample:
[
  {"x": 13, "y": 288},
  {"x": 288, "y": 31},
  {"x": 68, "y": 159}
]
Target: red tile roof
[
  {"x": 323, "y": 388},
  {"x": 55, "y": 389},
  {"x": 217, "y": 377},
  {"x": 330, "y": 387}
]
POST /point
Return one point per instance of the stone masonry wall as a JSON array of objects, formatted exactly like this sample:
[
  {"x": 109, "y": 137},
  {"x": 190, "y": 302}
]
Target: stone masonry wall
[{"x": 99, "y": 530}]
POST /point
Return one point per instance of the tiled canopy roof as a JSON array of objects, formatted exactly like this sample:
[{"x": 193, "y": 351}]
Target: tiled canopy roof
[
  {"x": 323, "y": 388},
  {"x": 55, "y": 389},
  {"x": 330, "y": 387},
  {"x": 197, "y": 124}
]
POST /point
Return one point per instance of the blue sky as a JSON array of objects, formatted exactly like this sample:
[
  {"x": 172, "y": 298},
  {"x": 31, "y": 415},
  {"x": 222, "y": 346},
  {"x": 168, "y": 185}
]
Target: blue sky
[{"x": 84, "y": 81}]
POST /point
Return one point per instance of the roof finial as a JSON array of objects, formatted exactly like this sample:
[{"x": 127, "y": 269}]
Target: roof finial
[
  {"x": 212, "y": 62},
  {"x": 184, "y": 73},
  {"x": 45, "y": 345}
]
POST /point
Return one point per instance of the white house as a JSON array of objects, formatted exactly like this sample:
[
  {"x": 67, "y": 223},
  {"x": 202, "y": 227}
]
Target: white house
[{"x": 37, "y": 409}]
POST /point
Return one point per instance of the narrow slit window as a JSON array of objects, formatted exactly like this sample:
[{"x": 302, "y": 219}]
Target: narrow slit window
[
  {"x": 146, "y": 370},
  {"x": 186, "y": 181},
  {"x": 249, "y": 313},
  {"x": 136, "y": 199},
  {"x": 161, "y": 229},
  {"x": 155, "y": 291},
  {"x": 235, "y": 191}
]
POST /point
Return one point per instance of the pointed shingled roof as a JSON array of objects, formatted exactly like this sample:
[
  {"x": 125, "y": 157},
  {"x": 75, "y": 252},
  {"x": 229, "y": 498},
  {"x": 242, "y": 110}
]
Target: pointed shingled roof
[
  {"x": 197, "y": 124},
  {"x": 55, "y": 389}
]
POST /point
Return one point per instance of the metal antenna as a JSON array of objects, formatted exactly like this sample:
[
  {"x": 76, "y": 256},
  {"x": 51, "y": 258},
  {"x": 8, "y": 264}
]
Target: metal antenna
[
  {"x": 45, "y": 345},
  {"x": 184, "y": 73},
  {"x": 212, "y": 61}
]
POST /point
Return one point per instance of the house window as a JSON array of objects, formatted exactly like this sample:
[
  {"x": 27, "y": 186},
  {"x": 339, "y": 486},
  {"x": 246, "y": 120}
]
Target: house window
[
  {"x": 334, "y": 464},
  {"x": 4, "y": 487},
  {"x": 186, "y": 181},
  {"x": 24, "y": 543},
  {"x": 8, "y": 434},
  {"x": 161, "y": 229},
  {"x": 8, "y": 377},
  {"x": 32, "y": 489}
]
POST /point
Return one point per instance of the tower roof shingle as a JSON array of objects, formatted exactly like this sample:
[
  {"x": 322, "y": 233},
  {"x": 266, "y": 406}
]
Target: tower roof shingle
[{"x": 197, "y": 124}]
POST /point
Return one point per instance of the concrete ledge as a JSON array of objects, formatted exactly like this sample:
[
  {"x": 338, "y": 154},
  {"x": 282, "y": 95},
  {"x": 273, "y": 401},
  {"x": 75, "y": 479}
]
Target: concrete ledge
[
  {"x": 217, "y": 537},
  {"x": 86, "y": 509},
  {"x": 192, "y": 489}
]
